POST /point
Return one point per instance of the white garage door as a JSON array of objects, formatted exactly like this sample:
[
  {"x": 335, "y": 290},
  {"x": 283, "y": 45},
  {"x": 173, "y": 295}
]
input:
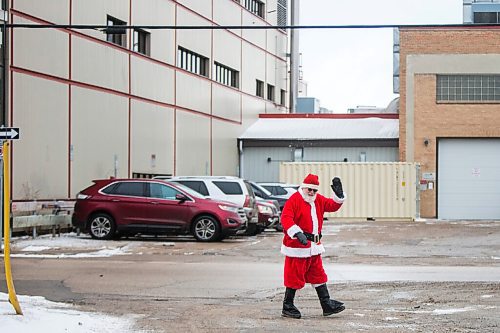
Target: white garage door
[{"x": 469, "y": 179}]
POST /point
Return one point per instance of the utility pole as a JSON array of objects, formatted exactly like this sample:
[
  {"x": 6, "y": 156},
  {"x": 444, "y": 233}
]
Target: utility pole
[{"x": 294, "y": 54}]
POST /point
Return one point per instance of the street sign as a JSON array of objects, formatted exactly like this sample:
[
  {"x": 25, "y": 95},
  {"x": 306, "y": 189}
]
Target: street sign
[{"x": 9, "y": 133}]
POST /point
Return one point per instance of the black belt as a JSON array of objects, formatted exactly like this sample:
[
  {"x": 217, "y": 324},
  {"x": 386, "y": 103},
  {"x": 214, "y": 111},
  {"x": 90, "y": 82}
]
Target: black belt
[{"x": 312, "y": 237}]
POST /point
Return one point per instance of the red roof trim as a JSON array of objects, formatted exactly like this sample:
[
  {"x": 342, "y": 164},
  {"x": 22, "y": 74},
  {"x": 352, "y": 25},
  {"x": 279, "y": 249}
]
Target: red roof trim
[{"x": 330, "y": 115}]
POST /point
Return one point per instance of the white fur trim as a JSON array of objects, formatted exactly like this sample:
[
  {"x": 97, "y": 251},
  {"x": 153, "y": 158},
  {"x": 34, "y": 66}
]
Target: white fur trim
[
  {"x": 314, "y": 218},
  {"x": 298, "y": 252},
  {"x": 337, "y": 199},
  {"x": 314, "y": 187},
  {"x": 317, "y": 249},
  {"x": 293, "y": 230}
]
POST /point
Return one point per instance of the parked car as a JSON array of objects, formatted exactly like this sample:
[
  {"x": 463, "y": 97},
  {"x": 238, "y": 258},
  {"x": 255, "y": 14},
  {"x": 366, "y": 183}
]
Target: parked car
[
  {"x": 280, "y": 189},
  {"x": 232, "y": 189},
  {"x": 264, "y": 194},
  {"x": 269, "y": 215},
  {"x": 111, "y": 207}
]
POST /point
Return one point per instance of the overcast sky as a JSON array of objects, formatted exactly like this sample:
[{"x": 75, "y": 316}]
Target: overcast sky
[{"x": 345, "y": 68}]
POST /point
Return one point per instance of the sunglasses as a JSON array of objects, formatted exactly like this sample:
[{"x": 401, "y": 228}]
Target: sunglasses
[{"x": 312, "y": 189}]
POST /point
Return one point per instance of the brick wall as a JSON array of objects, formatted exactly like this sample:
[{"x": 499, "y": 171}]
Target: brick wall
[{"x": 432, "y": 120}]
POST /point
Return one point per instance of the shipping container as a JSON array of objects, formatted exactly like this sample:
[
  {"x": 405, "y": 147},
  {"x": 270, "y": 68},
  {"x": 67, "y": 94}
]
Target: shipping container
[{"x": 373, "y": 190}]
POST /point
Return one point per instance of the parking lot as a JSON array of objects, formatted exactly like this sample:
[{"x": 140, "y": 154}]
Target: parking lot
[{"x": 426, "y": 276}]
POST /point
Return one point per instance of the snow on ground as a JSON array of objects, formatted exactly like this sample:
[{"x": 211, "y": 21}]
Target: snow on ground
[
  {"x": 43, "y": 316},
  {"x": 72, "y": 243},
  {"x": 451, "y": 311}
]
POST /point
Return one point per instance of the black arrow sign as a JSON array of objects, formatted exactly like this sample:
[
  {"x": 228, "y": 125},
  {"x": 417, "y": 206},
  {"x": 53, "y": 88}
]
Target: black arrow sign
[{"x": 9, "y": 133}]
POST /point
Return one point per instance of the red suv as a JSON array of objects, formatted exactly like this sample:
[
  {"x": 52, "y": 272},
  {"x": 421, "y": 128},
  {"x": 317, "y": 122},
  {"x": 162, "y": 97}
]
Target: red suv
[{"x": 148, "y": 206}]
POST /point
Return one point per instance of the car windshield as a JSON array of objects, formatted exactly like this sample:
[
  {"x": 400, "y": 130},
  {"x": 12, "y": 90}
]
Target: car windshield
[
  {"x": 189, "y": 191},
  {"x": 265, "y": 190}
]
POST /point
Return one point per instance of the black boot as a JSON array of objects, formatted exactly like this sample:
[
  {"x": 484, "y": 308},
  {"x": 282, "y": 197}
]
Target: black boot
[
  {"x": 289, "y": 310},
  {"x": 330, "y": 306}
]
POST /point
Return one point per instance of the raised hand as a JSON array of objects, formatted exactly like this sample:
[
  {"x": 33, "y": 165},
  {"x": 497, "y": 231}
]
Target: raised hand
[{"x": 337, "y": 187}]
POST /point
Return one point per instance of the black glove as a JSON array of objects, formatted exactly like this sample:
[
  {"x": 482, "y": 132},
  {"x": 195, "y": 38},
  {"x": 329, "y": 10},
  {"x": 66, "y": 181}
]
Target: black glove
[
  {"x": 337, "y": 187},
  {"x": 301, "y": 237}
]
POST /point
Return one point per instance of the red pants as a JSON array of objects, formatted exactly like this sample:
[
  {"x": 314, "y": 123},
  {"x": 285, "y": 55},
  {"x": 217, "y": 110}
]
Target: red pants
[{"x": 299, "y": 271}]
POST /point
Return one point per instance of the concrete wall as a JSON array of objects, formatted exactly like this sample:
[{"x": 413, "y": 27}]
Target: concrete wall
[{"x": 90, "y": 109}]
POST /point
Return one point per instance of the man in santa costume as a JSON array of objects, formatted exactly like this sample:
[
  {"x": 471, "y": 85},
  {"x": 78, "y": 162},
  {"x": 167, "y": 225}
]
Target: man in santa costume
[{"x": 302, "y": 220}]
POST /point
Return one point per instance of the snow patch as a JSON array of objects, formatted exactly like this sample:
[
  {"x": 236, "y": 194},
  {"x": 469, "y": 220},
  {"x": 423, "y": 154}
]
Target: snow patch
[
  {"x": 37, "y": 248},
  {"x": 43, "y": 316},
  {"x": 451, "y": 311},
  {"x": 98, "y": 254}
]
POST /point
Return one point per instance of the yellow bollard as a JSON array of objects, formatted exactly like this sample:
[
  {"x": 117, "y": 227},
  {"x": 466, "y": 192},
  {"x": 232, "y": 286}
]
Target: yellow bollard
[{"x": 6, "y": 229}]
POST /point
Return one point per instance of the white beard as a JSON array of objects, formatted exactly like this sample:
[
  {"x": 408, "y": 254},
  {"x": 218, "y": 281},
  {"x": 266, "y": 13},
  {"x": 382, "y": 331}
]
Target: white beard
[{"x": 308, "y": 198}]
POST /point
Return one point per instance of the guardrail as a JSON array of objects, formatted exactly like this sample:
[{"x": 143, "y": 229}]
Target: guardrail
[
  {"x": 36, "y": 223},
  {"x": 33, "y": 217}
]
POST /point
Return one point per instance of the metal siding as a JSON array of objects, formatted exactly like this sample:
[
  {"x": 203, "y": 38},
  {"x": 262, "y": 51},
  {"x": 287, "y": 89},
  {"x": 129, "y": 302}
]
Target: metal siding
[
  {"x": 373, "y": 154},
  {"x": 373, "y": 190},
  {"x": 256, "y": 167},
  {"x": 151, "y": 138},
  {"x": 468, "y": 179},
  {"x": 39, "y": 158}
]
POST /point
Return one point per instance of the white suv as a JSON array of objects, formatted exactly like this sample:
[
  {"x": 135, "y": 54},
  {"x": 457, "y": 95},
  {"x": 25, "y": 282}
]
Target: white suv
[{"x": 232, "y": 189}]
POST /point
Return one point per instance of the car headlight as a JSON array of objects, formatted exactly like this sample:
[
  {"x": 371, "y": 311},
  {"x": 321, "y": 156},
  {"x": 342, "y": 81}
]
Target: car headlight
[
  {"x": 265, "y": 210},
  {"x": 229, "y": 208}
]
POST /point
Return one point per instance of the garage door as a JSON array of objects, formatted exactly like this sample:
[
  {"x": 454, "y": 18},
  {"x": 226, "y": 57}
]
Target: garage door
[{"x": 468, "y": 179}]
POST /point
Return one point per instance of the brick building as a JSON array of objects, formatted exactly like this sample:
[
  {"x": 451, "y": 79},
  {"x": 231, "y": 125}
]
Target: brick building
[{"x": 450, "y": 118}]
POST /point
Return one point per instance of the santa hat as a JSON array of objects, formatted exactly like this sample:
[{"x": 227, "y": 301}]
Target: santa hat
[{"x": 311, "y": 181}]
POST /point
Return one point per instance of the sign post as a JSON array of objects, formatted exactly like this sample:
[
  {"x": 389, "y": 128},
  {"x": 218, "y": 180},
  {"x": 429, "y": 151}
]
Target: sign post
[{"x": 8, "y": 133}]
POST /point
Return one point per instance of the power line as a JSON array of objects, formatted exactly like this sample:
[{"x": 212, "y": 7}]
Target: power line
[{"x": 106, "y": 28}]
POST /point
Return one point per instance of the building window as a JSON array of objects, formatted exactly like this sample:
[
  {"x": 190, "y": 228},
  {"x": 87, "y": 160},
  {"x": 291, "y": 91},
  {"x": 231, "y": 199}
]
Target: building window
[
  {"x": 255, "y": 6},
  {"x": 226, "y": 75},
  {"x": 141, "y": 42},
  {"x": 468, "y": 88},
  {"x": 192, "y": 62},
  {"x": 114, "y": 33},
  {"x": 486, "y": 17},
  {"x": 282, "y": 97},
  {"x": 259, "y": 88},
  {"x": 282, "y": 12},
  {"x": 270, "y": 92}
]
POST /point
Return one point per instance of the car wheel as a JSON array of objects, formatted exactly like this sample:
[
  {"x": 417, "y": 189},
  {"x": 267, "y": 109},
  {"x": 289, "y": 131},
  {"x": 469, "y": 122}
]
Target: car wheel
[
  {"x": 102, "y": 226},
  {"x": 206, "y": 229}
]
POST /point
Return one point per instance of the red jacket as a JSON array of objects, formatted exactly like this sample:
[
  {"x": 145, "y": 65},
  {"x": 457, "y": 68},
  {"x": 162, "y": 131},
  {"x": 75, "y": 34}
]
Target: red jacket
[{"x": 298, "y": 215}]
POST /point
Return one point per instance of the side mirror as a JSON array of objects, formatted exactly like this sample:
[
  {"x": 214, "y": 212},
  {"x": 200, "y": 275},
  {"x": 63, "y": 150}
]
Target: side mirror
[{"x": 181, "y": 197}]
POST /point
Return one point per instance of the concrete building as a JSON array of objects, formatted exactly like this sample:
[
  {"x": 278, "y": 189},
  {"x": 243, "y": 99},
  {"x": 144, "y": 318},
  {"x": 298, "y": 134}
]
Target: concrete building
[
  {"x": 95, "y": 103},
  {"x": 450, "y": 118}
]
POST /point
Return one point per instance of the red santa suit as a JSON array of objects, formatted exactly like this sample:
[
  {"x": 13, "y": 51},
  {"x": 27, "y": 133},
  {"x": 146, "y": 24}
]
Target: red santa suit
[{"x": 303, "y": 263}]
